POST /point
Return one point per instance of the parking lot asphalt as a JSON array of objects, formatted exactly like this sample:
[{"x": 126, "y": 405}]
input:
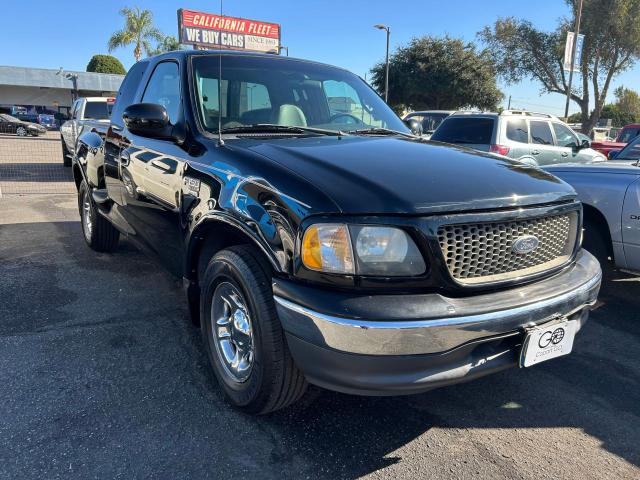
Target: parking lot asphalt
[{"x": 102, "y": 375}]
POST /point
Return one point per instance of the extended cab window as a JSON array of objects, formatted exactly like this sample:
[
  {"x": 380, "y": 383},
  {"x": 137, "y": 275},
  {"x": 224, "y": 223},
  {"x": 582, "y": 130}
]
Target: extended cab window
[
  {"x": 164, "y": 89},
  {"x": 541, "y": 133},
  {"x": 127, "y": 93},
  {"x": 286, "y": 92},
  {"x": 564, "y": 136},
  {"x": 517, "y": 130},
  {"x": 465, "y": 130}
]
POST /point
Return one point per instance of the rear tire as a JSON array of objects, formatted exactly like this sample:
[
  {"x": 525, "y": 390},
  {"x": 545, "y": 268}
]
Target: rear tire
[
  {"x": 97, "y": 231},
  {"x": 265, "y": 377},
  {"x": 21, "y": 131},
  {"x": 66, "y": 158}
]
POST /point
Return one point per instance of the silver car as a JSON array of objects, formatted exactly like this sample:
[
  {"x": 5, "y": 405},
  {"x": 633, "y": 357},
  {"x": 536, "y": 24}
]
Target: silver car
[
  {"x": 610, "y": 195},
  {"x": 533, "y": 138}
]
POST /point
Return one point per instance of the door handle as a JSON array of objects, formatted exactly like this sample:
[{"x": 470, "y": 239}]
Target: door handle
[
  {"x": 535, "y": 152},
  {"x": 565, "y": 154},
  {"x": 161, "y": 165}
]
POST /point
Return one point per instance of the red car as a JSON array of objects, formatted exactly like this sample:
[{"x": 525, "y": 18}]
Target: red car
[{"x": 628, "y": 133}]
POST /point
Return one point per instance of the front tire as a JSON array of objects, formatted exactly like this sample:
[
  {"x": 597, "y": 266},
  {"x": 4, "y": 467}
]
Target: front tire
[
  {"x": 98, "y": 232},
  {"x": 243, "y": 336},
  {"x": 596, "y": 242}
]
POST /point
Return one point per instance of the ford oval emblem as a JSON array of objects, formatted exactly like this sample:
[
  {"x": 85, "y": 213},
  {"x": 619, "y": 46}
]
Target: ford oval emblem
[{"x": 525, "y": 244}]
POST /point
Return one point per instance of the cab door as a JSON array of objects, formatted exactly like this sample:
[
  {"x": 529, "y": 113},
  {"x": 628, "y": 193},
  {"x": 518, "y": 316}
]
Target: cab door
[
  {"x": 567, "y": 143},
  {"x": 631, "y": 226},
  {"x": 152, "y": 174},
  {"x": 542, "y": 145}
]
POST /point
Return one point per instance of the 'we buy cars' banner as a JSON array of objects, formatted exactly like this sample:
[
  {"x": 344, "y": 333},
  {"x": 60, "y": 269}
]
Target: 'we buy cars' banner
[{"x": 217, "y": 31}]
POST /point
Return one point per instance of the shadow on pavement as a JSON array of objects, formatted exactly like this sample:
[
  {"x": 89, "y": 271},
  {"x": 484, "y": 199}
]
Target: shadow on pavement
[{"x": 103, "y": 369}]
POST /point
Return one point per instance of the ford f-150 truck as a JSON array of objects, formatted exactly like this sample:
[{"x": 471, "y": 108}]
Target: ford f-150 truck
[
  {"x": 326, "y": 246},
  {"x": 87, "y": 113}
]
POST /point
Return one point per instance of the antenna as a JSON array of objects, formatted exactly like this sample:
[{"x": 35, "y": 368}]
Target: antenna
[{"x": 220, "y": 141}]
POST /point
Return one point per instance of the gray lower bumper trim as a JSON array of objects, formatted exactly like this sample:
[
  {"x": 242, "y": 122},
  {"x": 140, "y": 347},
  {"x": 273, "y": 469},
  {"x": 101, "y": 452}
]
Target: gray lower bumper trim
[{"x": 434, "y": 335}]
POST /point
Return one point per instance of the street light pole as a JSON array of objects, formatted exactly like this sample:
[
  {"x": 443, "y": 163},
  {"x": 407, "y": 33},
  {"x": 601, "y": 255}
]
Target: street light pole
[
  {"x": 282, "y": 47},
  {"x": 573, "y": 58},
  {"x": 386, "y": 76}
]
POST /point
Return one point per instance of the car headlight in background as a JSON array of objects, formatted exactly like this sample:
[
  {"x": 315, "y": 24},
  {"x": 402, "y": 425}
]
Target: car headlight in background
[{"x": 362, "y": 250}]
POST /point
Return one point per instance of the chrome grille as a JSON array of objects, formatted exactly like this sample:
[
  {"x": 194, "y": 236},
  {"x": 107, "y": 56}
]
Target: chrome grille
[{"x": 483, "y": 252}]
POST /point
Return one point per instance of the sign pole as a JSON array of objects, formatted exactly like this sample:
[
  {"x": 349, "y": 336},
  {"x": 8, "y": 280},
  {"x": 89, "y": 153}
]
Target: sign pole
[{"x": 573, "y": 58}]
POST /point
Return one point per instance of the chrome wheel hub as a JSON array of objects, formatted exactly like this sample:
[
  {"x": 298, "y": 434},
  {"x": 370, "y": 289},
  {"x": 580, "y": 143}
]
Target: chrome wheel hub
[
  {"x": 87, "y": 216},
  {"x": 231, "y": 332}
]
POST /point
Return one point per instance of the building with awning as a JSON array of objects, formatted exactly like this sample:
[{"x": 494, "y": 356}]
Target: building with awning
[{"x": 41, "y": 90}]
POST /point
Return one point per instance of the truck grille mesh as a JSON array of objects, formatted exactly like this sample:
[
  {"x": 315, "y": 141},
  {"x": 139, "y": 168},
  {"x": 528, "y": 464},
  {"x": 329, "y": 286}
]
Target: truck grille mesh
[{"x": 483, "y": 252}]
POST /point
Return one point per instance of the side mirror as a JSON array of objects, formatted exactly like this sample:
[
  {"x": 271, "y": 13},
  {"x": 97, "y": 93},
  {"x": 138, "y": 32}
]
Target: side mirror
[
  {"x": 148, "y": 120},
  {"x": 585, "y": 144},
  {"x": 613, "y": 154},
  {"x": 414, "y": 125}
]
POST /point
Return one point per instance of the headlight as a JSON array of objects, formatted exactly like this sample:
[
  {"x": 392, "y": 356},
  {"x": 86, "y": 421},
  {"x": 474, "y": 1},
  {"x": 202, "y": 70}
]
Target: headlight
[
  {"x": 327, "y": 248},
  {"x": 361, "y": 249}
]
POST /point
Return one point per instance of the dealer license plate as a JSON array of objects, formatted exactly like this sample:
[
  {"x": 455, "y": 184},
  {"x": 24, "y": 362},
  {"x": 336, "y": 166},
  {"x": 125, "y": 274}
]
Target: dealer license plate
[{"x": 547, "y": 341}]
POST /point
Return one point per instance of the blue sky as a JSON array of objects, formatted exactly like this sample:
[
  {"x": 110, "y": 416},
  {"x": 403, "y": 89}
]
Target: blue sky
[{"x": 67, "y": 33}]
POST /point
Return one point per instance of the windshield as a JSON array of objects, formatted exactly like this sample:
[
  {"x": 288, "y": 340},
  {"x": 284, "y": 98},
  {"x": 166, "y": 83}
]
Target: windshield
[
  {"x": 292, "y": 93},
  {"x": 97, "y": 110},
  {"x": 465, "y": 130},
  {"x": 631, "y": 151}
]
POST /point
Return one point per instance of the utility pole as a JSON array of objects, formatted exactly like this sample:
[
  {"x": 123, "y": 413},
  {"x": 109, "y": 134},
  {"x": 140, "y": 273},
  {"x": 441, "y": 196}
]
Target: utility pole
[
  {"x": 509, "y": 104},
  {"x": 573, "y": 58},
  {"x": 386, "y": 76}
]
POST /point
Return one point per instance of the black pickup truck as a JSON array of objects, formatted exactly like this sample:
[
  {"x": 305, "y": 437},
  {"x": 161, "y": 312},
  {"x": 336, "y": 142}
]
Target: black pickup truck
[{"x": 320, "y": 241}]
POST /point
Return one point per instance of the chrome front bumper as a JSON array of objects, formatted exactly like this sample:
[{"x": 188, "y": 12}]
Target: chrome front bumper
[{"x": 447, "y": 323}]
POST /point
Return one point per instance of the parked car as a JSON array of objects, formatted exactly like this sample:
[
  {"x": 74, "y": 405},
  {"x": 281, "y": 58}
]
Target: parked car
[
  {"x": 86, "y": 114},
  {"x": 315, "y": 247},
  {"x": 47, "y": 121},
  {"x": 533, "y": 138},
  {"x": 628, "y": 133},
  {"x": 610, "y": 194},
  {"x": 430, "y": 119},
  {"x": 10, "y": 124}
]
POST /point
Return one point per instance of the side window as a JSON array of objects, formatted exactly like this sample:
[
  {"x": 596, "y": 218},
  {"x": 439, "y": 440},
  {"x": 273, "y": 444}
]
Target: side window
[
  {"x": 541, "y": 133},
  {"x": 127, "y": 93},
  {"x": 564, "y": 136},
  {"x": 164, "y": 89},
  {"x": 517, "y": 130}
]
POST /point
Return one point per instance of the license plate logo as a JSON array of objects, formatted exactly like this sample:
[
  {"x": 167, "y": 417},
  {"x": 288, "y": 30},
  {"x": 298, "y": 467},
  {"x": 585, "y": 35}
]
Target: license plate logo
[{"x": 547, "y": 341}]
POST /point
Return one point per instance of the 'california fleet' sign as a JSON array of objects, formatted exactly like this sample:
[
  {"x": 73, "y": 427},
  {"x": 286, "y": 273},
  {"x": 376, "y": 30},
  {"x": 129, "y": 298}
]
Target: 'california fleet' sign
[{"x": 216, "y": 31}]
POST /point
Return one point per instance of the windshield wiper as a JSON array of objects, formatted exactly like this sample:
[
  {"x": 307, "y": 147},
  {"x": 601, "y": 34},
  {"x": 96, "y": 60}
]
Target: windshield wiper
[
  {"x": 381, "y": 131},
  {"x": 273, "y": 127}
]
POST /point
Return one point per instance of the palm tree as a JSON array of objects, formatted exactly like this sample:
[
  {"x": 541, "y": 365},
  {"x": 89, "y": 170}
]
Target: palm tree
[
  {"x": 168, "y": 44},
  {"x": 138, "y": 31}
]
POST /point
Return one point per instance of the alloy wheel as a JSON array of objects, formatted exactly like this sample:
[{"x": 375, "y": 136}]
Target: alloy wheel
[{"x": 231, "y": 332}]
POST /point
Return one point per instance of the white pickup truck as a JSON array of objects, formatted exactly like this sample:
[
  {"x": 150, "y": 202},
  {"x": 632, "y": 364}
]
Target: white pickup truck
[{"x": 85, "y": 113}]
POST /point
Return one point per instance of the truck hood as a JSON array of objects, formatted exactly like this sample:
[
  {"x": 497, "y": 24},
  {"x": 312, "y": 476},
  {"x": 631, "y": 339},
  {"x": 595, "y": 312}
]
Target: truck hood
[
  {"x": 395, "y": 175},
  {"x": 623, "y": 167}
]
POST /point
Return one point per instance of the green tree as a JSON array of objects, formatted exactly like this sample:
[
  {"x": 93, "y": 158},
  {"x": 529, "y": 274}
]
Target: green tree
[
  {"x": 439, "y": 73},
  {"x": 105, "y": 64},
  {"x": 628, "y": 102},
  {"x": 138, "y": 31},
  {"x": 611, "y": 46},
  {"x": 168, "y": 43}
]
